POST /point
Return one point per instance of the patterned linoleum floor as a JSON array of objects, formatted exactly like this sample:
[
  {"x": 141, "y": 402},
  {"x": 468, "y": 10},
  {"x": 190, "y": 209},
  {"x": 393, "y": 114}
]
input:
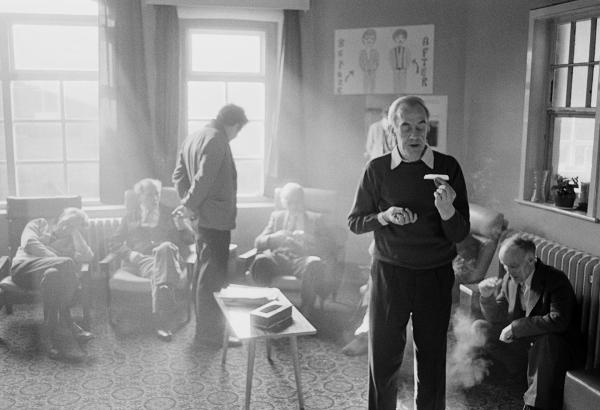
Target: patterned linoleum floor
[{"x": 141, "y": 372}]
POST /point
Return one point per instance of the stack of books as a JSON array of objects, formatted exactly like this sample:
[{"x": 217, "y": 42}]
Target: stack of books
[{"x": 247, "y": 296}]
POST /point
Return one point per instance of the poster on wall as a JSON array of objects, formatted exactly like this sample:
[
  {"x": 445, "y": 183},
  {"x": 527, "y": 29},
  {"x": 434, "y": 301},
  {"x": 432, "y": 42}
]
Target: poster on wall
[
  {"x": 384, "y": 60},
  {"x": 376, "y": 105}
]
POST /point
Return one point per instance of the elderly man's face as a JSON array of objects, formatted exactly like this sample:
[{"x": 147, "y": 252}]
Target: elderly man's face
[
  {"x": 150, "y": 198},
  {"x": 411, "y": 126},
  {"x": 517, "y": 263}
]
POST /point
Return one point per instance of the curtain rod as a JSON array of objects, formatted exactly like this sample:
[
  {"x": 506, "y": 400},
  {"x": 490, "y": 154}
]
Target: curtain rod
[{"x": 259, "y": 4}]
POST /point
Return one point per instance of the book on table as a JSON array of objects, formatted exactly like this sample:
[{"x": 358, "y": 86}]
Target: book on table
[{"x": 250, "y": 296}]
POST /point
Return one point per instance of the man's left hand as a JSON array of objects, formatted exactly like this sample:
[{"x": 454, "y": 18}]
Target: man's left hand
[
  {"x": 444, "y": 197},
  {"x": 506, "y": 335}
]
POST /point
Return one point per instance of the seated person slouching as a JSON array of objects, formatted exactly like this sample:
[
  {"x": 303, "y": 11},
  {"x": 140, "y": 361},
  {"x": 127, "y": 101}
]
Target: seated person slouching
[
  {"x": 291, "y": 244},
  {"x": 532, "y": 310},
  {"x": 152, "y": 244},
  {"x": 49, "y": 258}
]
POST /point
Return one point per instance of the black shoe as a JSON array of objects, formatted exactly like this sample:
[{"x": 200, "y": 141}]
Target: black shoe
[
  {"x": 164, "y": 335},
  {"x": 81, "y": 335}
]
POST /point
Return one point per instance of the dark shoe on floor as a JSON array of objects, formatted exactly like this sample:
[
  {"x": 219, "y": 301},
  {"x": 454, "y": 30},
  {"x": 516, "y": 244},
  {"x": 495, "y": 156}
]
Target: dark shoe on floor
[
  {"x": 81, "y": 335},
  {"x": 357, "y": 346},
  {"x": 164, "y": 335}
]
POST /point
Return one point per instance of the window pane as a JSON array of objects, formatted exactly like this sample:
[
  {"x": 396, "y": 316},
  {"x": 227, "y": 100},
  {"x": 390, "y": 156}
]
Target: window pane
[
  {"x": 45, "y": 47},
  {"x": 597, "y": 52},
  {"x": 36, "y": 100},
  {"x": 84, "y": 179},
  {"x": 582, "y": 41},
  {"x": 249, "y": 96},
  {"x": 80, "y": 7},
  {"x": 595, "y": 86},
  {"x": 229, "y": 53},
  {"x": 2, "y": 143},
  {"x": 559, "y": 95},
  {"x": 81, "y": 99},
  {"x": 563, "y": 34},
  {"x": 250, "y": 141},
  {"x": 40, "y": 179},
  {"x": 194, "y": 126},
  {"x": 575, "y": 139},
  {"x": 579, "y": 86},
  {"x": 250, "y": 177},
  {"x": 205, "y": 98},
  {"x": 3, "y": 181},
  {"x": 35, "y": 141},
  {"x": 82, "y": 140}
]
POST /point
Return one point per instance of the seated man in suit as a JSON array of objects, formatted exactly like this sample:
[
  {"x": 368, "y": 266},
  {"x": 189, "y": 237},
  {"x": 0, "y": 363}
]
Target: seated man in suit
[
  {"x": 533, "y": 310},
  {"x": 290, "y": 245},
  {"x": 152, "y": 244},
  {"x": 49, "y": 259}
]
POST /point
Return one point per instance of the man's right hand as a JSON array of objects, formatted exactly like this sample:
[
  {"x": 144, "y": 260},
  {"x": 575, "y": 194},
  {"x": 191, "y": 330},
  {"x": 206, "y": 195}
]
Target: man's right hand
[{"x": 488, "y": 286}]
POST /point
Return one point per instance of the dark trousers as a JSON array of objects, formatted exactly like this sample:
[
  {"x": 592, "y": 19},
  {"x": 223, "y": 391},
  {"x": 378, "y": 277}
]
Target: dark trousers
[
  {"x": 212, "y": 248},
  {"x": 546, "y": 357},
  {"x": 397, "y": 295}
]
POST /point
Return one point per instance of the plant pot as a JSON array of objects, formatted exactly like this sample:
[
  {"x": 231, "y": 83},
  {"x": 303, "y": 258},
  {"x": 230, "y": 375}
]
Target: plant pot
[{"x": 565, "y": 200}]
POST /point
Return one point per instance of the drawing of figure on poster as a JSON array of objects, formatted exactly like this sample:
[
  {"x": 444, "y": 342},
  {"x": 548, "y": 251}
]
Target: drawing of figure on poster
[
  {"x": 368, "y": 60},
  {"x": 384, "y": 60}
]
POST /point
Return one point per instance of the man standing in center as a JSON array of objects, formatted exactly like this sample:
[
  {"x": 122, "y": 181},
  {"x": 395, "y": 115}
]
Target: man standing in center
[
  {"x": 206, "y": 180},
  {"x": 416, "y": 224}
]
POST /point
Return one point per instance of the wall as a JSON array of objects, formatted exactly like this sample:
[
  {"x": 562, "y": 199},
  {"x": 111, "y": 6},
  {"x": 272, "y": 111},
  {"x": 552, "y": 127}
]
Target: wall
[
  {"x": 335, "y": 126},
  {"x": 494, "y": 97}
]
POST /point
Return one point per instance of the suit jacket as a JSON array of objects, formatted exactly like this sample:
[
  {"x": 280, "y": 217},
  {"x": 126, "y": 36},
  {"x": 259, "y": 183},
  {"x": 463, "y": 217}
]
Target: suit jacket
[
  {"x": 316, "y": 235},
  {"x": 551, "y": 307},
  {"x": 206, "y": 179}
]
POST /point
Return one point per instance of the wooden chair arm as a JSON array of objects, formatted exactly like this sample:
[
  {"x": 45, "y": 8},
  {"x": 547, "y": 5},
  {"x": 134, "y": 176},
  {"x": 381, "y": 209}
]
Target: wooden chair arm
[{"x": 247, "y": 257}]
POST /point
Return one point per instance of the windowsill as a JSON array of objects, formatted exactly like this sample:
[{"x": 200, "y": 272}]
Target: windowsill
[
  {"x": 548, "y": 206},
  {"x": 98, "y": 210}
]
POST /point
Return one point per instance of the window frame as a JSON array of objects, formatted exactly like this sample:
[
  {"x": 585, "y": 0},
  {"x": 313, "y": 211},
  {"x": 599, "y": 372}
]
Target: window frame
[
  {"x": 538, "y": 124},
  {"x": 269, "y": 30},
  {"x": 9, "y": 74}
]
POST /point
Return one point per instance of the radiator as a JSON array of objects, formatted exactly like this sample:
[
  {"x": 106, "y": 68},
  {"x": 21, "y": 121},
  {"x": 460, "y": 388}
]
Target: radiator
[
  {"x": 583, "y": 270},
  {"x": 99, "y": 233}
]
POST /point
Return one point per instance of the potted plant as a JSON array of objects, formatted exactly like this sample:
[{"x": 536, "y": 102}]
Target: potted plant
[{"x": 564, "y": 191}]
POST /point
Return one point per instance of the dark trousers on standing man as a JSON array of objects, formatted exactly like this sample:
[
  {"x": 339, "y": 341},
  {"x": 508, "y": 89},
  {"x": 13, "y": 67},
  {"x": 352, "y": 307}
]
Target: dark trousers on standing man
[
  {"x": 397, "y": 295},
  {"x": 212, "y": 248}
]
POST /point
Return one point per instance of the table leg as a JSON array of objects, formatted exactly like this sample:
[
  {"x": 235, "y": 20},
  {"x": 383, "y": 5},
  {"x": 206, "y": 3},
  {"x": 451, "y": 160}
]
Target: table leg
[
  {"x": 225, "y": 345},
  {"x": 294, "y": 343},
  {"x": 250, "y": 371}
]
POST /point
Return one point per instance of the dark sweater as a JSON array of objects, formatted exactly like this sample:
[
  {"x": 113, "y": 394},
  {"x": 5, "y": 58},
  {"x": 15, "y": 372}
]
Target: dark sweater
[{"x": 430, "y": 241}]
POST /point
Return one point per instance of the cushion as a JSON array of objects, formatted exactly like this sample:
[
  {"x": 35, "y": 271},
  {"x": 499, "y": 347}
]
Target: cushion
[{"x": 128, "y": 282}]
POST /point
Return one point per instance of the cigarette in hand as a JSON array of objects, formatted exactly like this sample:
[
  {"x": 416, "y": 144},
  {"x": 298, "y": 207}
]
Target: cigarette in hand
[{"x": 434, "y": 176}]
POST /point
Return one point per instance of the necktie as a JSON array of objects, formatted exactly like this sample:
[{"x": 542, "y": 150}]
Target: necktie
[{"x": 518, "y": 312}]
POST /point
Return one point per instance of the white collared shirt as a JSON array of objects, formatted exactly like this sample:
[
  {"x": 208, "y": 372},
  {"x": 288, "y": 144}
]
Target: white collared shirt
[
  {"x": 525, "y": 290},
  {"x": 427, "y": 157}
]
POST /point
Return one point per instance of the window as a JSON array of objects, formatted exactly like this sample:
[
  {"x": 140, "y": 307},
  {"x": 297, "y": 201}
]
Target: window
[
  {"x": 232, "y": 62},
  {"x": 49, "y": 99},
  {"x": 562, "y": 117}
]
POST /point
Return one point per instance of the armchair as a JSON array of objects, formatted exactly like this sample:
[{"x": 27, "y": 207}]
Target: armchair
[
  {"x": 323, "y": 202},
  {"x": 19, "y": 212},
  {"x": 133, "y": 294},
  {"x": 476, "y": 252}
]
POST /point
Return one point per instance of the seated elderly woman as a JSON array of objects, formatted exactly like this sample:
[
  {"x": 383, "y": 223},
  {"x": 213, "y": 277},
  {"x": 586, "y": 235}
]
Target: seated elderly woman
[
  {"x": 291, "y": 244},
  {"x": 152, "y": 244},
  {"x": 49, "y": 259}
]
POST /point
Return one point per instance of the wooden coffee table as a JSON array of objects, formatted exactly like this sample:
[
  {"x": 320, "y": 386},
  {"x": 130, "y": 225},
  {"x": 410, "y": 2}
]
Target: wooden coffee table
[{"x": 238, "y": 319}]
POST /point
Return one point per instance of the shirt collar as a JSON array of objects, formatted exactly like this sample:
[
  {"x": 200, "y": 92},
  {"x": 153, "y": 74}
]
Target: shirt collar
[{"x": 427, "y": 157}]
